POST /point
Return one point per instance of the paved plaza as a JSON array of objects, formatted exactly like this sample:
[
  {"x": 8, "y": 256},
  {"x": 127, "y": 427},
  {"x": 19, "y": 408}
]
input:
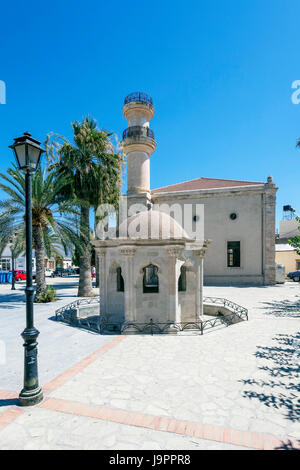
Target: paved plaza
[{"x": 234, "y": 387}]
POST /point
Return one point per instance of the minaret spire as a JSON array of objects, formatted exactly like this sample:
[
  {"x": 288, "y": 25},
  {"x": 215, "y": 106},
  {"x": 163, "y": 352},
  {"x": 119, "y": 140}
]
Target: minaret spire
[{"x": 138, "y": 144}]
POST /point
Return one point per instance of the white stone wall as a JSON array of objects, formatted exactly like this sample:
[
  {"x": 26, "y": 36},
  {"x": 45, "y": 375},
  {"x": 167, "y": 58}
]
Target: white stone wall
[
  {"x": 249, "y": 228},
  {"x": 186, "y": 299},
  {"x": 168, "y": 305}
]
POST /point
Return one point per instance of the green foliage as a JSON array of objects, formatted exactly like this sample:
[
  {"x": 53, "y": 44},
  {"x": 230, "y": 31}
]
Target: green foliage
[
  {"x": 93, "y": 167},
  {"x": 295, "y": 241},
  {"x": 76, "y": 257},
  {"x": 93, "y": 161},
  {"x": 54, "y": 218},
  {"x": 48, "y": 295}
]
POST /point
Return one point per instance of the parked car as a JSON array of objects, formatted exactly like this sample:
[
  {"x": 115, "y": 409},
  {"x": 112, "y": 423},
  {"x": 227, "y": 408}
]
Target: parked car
[
  {"x": 48, "y": 272},
  {"x": 71, "y": 271},
  {"x": 19, "y": 275},
  {"x": 57, "y": 272},
  {"x": 294, "y": 275},
  {"x": 61, "y": 272}
]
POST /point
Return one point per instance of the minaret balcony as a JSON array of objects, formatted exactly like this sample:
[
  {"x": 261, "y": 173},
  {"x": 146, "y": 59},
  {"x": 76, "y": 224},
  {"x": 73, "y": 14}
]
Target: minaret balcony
[
  {"x": 138, "y": 131},
  {"x": 138, "y": 103},
  {"x": 138, "y": 138},
  {"x": 138, "y": 96}
]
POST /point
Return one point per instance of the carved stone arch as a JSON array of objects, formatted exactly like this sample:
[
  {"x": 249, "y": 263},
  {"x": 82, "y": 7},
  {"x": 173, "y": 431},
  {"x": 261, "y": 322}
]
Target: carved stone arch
[
  {"x": 113, "y": 265},
  {"x": 114, "y": 275},
  {"x": 147, "y": 264},
  {"x": 150, "y": 274},
  {"x": 115, "y": 296}
]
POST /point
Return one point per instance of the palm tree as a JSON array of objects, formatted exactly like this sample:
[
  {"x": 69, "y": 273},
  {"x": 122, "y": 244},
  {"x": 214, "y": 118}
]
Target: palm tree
[
  {"x": 95, "y": 167},
  {"x": 52, "y": 218}
]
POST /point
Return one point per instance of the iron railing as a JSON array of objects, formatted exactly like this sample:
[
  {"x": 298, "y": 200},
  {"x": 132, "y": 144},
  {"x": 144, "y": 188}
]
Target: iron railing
[
  {"x": 138, "y": 96},
  {"x": 101, "y": 324},
  {"x": 138, "y": 131},
  {"x": 242, "y": 312},
  {"x": 74, "y": 305}
]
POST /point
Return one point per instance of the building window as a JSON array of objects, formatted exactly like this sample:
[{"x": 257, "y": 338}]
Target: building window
[
  {"x": 182, "y": 280},
  {"x": 234, "y": 254},
  {"x": 120, "y": 280},
  {"x": 150, "y": 279},
  {"x": 5, "y": 264},
  {"x": 297, "y": 265}
]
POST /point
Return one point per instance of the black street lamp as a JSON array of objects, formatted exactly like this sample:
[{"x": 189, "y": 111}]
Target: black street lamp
[{"x": 28, "y": 152}]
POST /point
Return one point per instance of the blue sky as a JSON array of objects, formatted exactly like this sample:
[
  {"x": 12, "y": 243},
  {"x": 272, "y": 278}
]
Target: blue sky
[{"x": 220, "y": 73}]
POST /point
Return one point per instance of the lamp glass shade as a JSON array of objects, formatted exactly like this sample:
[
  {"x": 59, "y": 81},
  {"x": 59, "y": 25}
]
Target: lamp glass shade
[
  {"x": 27, "y": 160},
  {"x": 27, "y": 151},
  {"x": 20, "y": 155},
  {"x": 33, "y": 156}
]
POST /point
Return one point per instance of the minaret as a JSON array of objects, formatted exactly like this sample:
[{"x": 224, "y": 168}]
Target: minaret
[{"x": 138, "y": 144}]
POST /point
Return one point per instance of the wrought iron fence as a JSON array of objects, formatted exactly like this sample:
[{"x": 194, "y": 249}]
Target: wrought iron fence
[
  {"x": 76, "y": 304},
  {"x": 138, "y": 131},
  {"x": 103, "y": 325},
  {"x": 138, "y": 96},
  {"x": 242, "y": 312}
]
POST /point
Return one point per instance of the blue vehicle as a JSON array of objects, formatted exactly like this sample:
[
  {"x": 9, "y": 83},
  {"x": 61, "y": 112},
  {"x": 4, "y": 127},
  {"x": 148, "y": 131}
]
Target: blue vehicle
[{"x": 294, "y": 275}]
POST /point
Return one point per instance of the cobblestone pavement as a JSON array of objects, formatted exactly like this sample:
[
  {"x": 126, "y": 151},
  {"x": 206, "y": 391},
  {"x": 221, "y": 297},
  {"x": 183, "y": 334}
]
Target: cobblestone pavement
[
  {"x": 59, "y": 346},
  {"x": 235, "y": 387}
]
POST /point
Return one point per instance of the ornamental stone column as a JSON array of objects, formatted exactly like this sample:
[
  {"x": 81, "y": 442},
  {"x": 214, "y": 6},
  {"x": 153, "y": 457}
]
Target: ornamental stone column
[
  {"x": 269, "y": 206},
  {"x": 128, "y": 253},
  {"x": 174, "y": 272},
  {"x": 101, "y": 255},
  {"x": 199, "y": 255}
]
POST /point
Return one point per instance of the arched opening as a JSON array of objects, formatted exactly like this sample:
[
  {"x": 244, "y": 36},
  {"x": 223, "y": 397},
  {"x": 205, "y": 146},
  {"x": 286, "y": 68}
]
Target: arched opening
[
  {"x": 115, "y": 296},
  {"x": 182, "y": 280},
  {"x": 186, "y": 292},
  {"x": 120, "y": 280},
  {"x": 150, "y": 279}
]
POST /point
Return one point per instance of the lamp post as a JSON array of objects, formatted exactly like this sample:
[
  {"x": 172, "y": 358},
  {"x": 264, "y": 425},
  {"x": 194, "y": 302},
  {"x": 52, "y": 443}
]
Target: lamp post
[{"x": 28, "y": 152}]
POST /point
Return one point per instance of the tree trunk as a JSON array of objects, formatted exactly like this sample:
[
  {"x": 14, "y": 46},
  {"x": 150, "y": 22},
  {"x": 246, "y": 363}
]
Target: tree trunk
[
  {"x": 85, "y": 288},
  {"x": 39, "y": 248}
]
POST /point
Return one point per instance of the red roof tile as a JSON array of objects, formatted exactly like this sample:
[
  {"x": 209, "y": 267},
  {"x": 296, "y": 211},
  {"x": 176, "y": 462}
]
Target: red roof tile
[{"x": 204, "y": 183}]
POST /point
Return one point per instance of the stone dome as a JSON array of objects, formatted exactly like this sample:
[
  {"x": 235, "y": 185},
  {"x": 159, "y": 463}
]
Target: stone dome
[{"x": 152, "y": 224}]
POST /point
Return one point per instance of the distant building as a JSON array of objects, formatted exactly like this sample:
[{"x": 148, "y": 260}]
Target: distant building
[
  {"x": 285, "y": 253},
  {"x": 20, "y": 261},
  {"x": 239, "y": 218},
  {"x": 288, "y": 229},
  {"x": 288, "y": 257}
]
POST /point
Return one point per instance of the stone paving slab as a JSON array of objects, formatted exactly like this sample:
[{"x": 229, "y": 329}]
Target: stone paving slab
[
  {"x": 215, "y": 379},
  {"x": 235, "y": 383},
  {"x": 45, "y": 429},
  {"x": 60, "y": 346},
  {"x": 244, "y": 377}
]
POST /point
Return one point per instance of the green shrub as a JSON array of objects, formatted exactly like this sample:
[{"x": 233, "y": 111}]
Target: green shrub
[{"x": 49, "y": 295}]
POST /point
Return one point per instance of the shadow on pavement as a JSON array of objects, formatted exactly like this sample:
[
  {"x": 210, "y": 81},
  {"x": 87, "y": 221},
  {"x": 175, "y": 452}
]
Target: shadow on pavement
[
  {"x": 283, "y": 308},
  {"x": 288, "y": 446},
  {"x": 282, "y": 364},
  {"x": 9, "y": 402},
  {"x": 63, "y": 286},
  {"x": 11, "y": 297},
  {"x": 77, "y": 326}
]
